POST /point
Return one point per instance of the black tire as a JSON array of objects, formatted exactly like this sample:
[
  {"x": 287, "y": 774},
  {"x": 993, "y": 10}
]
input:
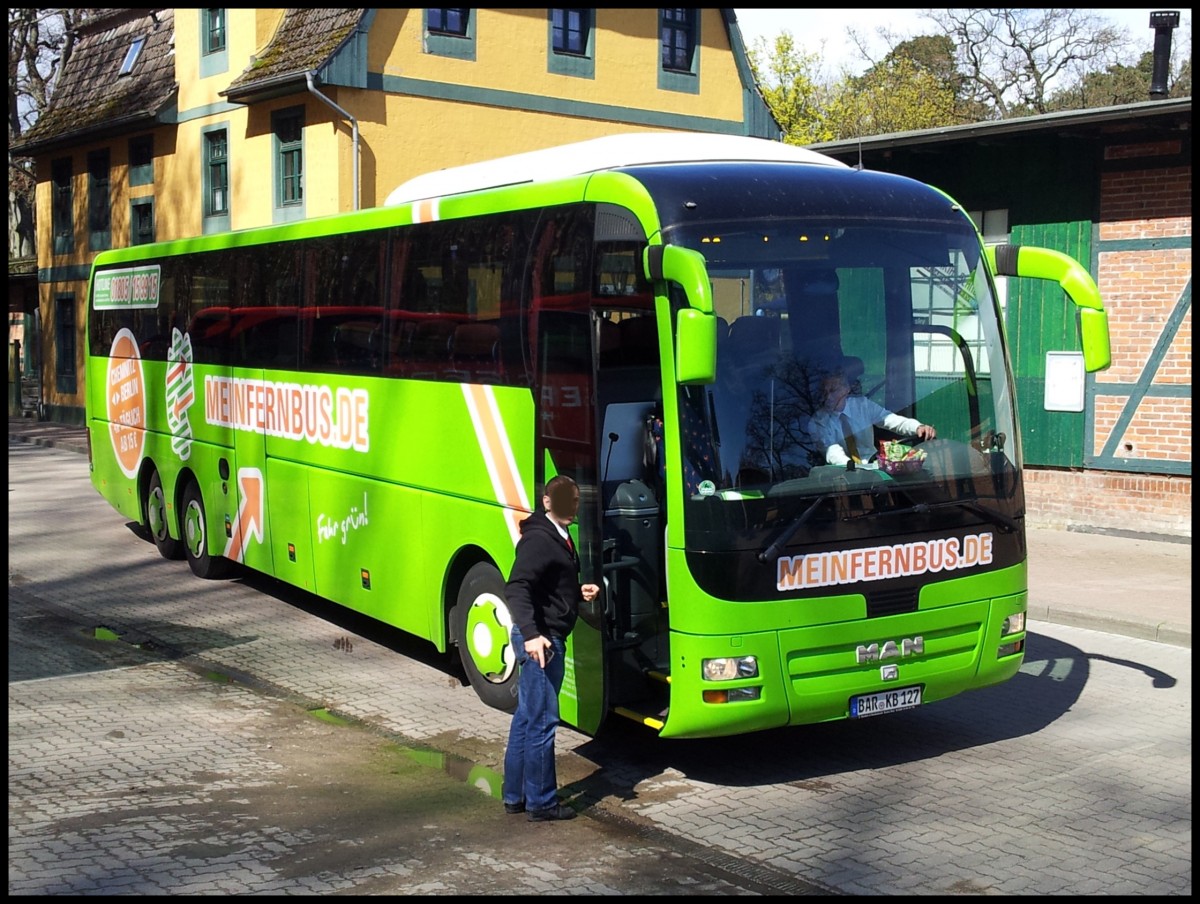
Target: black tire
[
  {"x": 158, "y": 520},
  {"x": 196, "y": 539},
  {"x": 482, "y": 630}
]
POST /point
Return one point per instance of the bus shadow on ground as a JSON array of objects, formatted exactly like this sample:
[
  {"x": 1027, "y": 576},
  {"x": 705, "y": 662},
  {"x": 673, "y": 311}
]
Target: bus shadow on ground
[
  {"x": 1049, "y": 683},
  {"x": 364, "y": 626},
  {"x": 46, "y": 641}
]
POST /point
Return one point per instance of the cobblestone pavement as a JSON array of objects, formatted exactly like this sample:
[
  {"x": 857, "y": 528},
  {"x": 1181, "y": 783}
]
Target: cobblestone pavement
[
  {"x": 134, "y": 772},
  {"x": 144, "y": 761}
]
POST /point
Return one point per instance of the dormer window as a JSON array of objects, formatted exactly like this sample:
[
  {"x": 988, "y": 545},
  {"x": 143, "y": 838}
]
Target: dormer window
[{"x": 131, "y": 55}]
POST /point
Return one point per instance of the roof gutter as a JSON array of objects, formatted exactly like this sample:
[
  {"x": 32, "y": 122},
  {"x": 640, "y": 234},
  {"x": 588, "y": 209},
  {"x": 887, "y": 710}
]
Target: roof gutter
[
  {"x": 105, "y": 129},
  {"x": 1037, "y": 123},
  {"x": 312, "y": 89}
]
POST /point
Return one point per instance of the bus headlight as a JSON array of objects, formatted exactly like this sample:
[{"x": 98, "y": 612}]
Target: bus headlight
[
  {"x": 1014, "y": 624},
  {"x": 729, "y": 668}
]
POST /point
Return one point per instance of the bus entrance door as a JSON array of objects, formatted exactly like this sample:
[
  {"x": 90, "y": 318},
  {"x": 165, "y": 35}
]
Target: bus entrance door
[{"x": 637, "y": 649}]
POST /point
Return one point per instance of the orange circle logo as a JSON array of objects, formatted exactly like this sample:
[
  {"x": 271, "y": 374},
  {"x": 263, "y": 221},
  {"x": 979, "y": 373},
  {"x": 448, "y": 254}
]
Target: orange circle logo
[{"x": 126, "y": 402}]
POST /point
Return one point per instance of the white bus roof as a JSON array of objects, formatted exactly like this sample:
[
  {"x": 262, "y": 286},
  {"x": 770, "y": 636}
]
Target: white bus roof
[{"x": 596, "y": 154}]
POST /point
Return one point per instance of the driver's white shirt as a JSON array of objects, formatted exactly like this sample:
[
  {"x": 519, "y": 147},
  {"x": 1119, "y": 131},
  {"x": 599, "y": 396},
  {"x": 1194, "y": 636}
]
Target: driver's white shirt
[{"x": 864, "y": 415}]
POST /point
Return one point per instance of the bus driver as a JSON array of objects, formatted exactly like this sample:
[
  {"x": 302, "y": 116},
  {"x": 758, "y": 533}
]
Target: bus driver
[{"x": 845, "y": 424}]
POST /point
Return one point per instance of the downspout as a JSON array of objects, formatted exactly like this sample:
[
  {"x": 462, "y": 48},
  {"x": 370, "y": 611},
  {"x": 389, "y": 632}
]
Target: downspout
[{"x": 312, "y": 89}]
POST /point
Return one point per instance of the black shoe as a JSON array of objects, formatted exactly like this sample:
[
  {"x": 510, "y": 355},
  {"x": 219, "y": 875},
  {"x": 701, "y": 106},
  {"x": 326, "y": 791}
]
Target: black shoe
[
  {"x": 558, "y": 811},
  {"x": 514, "y": 809}
]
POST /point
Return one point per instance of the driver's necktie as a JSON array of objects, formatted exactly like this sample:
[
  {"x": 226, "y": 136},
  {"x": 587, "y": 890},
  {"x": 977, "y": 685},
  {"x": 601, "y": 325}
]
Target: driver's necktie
[{"x": 848, "y": 440}]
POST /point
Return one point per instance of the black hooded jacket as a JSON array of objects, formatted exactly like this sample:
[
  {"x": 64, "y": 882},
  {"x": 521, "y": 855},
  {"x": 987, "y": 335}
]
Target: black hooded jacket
[{"x": 543, "y": 589}]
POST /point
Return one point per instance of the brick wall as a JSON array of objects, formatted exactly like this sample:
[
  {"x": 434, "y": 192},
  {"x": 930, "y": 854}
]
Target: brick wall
[
  {"x": 1149, "y": 421},
  {"x": 1109, "y": 500}
]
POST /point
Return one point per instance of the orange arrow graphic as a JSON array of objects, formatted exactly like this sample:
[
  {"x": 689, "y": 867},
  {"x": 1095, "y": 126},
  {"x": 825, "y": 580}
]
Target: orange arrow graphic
[{"x": 249, "y": 516}]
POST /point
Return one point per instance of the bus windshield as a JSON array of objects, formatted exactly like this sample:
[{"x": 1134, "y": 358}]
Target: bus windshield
[{"x": 902, "y": 322}]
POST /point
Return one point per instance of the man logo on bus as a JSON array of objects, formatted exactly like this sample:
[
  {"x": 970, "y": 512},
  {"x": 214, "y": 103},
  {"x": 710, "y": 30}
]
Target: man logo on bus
[{"x": 889, "y": 649}]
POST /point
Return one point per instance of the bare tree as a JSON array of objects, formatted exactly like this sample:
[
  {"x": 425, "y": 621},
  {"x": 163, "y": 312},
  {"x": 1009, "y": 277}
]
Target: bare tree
[
  {"x": 39, "y": 44},
  {"x": 1013, "y": 59}
]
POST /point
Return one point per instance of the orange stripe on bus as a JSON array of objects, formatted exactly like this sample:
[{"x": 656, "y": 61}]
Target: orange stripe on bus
[
  {"x": 489, "y": 433},
  {"x": 425, "y": 211}
]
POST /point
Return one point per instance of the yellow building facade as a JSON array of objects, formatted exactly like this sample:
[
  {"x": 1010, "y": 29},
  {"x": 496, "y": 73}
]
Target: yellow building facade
[{"x": 173, "y": 123}]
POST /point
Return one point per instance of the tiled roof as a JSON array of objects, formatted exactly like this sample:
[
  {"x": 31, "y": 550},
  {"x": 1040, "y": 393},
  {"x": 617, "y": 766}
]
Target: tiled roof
[
  {"x": 90, "y": 96},
  {"x": 305, "y": 40}
]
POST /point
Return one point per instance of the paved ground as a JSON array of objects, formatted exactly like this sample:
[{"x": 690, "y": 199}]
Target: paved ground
[
  {"x": 137, "y": 765},
  {"x": 145, "y": 762}
]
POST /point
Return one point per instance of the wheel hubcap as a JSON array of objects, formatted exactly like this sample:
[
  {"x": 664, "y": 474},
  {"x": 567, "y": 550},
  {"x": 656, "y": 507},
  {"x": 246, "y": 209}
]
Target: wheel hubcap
[
  {"x": 194, "y": 530},
  {"x": 489, "y": 638},
  {"x": 157, "y": 514}
]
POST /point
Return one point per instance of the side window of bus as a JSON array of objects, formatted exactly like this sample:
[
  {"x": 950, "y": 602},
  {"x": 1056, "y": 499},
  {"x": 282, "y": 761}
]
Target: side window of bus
[
  {"x": 263, "y": 331},
  {"x": 209, "y": 332},
  {"x": 343, "y": 313},
  {"x": 560, "y": 300},
  {"x": 454, "y": 300},
  {"x": 154, "y": 333},
  {"x": 104, "y": 326},
  {"x": 203, "y": 286}
]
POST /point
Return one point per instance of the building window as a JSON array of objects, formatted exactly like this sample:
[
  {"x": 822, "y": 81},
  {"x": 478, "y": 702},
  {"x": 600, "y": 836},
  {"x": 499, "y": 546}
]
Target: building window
[
  {"x": 214, "y": 30},
  {"x": 141, "y": 160},
  {"x": 942, "y": 298},
  {"x": 993, "y": 226},
  {"x": 569, "y": 30},
  {"x": 131, "y": 55},
  {"x": 448, "y": 21},
  {"x": 450, "y": 33},
  {"x": 216, "y": 147},
  {"x": 99, "y": 201},
  {"x": 141, "y": 221},
  {"x": 679, "y": 61},
  {"x": 63, "y": 211},
  {"x": 216, "y": 179},
  {"x": 64, "y": 343},
  {"x": 572, "y": 50},
  {"x": 288, "y": 128},
  {"x": 214, "y": 49}
]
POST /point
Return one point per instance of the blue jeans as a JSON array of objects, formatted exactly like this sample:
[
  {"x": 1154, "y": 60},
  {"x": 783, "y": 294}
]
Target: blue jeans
[{"x": 529, "y": 770}]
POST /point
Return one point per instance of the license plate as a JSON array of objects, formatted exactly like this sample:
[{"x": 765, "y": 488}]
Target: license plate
[{"x": 885, "y": 702}]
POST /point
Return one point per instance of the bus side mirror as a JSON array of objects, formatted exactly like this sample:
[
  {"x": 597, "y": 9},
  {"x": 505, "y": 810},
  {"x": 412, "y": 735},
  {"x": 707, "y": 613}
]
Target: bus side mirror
[
  {"x": 1045, "y": 263},
  {"x": 684, "y": 266},
  {"x": 695, "y": 325}
]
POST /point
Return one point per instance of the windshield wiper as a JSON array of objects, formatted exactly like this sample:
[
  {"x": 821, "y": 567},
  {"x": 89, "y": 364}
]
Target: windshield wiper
[
  {"x": 790, "y": 531},
  {"x": 924, "y": 508}
]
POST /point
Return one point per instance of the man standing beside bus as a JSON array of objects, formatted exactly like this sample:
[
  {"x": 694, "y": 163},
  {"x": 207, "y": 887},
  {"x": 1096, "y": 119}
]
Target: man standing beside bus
[{"x": 543, "y": 593}]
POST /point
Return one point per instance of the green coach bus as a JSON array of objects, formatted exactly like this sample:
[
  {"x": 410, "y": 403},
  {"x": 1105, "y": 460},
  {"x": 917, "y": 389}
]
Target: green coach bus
[{"x": 365, "y": 405}]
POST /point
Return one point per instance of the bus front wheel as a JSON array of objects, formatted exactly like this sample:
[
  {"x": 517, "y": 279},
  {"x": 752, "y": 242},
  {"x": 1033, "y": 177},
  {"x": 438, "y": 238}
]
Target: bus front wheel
[
  {"x": 157, "y": 520},
  {"x": 483, "y": 633},
  {"x": 196, "y": 538}
]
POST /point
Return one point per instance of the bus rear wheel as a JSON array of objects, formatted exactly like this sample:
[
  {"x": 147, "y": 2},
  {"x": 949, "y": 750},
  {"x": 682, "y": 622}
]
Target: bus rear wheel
[
  {"x": 157, "y": 520},
  {"x": 483, "y": 632},
  {"x": 196, "y": 538}
]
